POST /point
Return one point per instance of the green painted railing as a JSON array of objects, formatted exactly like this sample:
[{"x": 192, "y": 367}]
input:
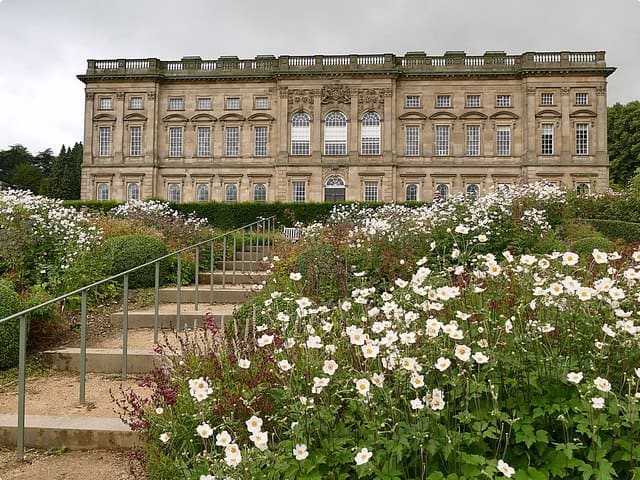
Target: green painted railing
[{"x": 260, "y": 235}]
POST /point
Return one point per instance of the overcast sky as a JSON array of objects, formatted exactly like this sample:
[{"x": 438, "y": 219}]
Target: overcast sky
[{"x": 44, "y": 44}]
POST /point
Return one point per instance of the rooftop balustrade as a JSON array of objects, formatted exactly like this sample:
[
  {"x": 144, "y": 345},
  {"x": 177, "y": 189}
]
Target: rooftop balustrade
[{"x": 412, "y": 63}]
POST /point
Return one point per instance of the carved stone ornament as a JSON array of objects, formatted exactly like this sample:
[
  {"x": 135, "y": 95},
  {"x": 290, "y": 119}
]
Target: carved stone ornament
[
  {"x": 531, "y": 90},
  {"x": 335, "y": 94},
  {"x": 151, "y": 95},
  {"x": 601, "y": 90},
  {"x": 120, "y": 95},
  {"x": 565, "y": 91},
  {"x": 372, "y": 98},
  {"x": 335, "y": 170},
  {"x": 89, "y": 95},
  {"x": 300, "y": 97}
]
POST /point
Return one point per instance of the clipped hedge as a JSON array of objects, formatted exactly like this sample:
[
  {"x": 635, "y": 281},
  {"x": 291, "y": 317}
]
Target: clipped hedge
[
  {"x": 129, "y": 251},
  {"x": 10, "y": 303},
  {"x": 94, "y": 205},
  {"x": 585, "y": 246},
  {"x": 617, "y": 229},
  {"x": 624, "y": 207}
]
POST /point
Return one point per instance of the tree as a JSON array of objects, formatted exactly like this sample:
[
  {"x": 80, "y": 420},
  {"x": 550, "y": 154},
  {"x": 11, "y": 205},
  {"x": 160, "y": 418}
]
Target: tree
[
  {"x": 26, "y": 176},
  {"x": 64, "y": 181},
  {"x": 10, "y": 159},
  {"x": 624, "y": 141}
]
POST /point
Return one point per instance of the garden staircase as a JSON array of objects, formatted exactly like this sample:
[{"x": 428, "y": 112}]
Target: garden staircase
[{"x": 232, "y": 285}]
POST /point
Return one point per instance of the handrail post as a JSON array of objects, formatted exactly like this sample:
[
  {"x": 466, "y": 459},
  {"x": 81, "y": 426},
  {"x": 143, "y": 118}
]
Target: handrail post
[
  {"x": 22, "y": 359},
  {"x": 243, "y": 250},
  {"x": 125, "y": 324},
  {"x": 83, "y": 347},
  {"x": 211, "y": 266},
  {"x": 235, "y": 242},
  {"x": 195, "y": 299},
  {"x": 156, "y": 303},
  {"x": 251, "y": 244},
  {"x": 224, "y": 261},
  {"x": 178, "y": 291}
]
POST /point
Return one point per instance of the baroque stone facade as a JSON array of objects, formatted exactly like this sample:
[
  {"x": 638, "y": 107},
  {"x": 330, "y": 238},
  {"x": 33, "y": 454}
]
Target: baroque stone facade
[{"x": 352, "y": 127}]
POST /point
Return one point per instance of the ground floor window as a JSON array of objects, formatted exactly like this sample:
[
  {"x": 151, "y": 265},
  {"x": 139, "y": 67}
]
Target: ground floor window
[
  {"x": 102, "y": 191},
  {"x": 133, "y": 191},
  {"x": 334, "y": 190},
  {"x": 442, "y": 192},
  {"x": 370, "y": 191},
  {"x": 259, "y": 192},
  {"x": 298, "y": 191},
  {"x": 473, "y": 190},
  {"x": 411, "y": 192},
  {"x": 582, "y": 188},
  {"x": 230, "y": 192},
  {"x": 202, "y": 192},
  {"x": 174, "y": 192}
]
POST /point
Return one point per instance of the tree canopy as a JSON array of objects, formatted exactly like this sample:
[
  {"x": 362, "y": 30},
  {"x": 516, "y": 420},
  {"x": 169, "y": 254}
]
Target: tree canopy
[{"x": 624, "y": 141}]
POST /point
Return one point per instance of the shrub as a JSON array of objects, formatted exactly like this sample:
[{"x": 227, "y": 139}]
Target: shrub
[
  {"x": 10, "y": 303},
  {"x": 129, "y": 251},
  {"x": 585, "y": 246},
  {"x": 618, "y": 229}
]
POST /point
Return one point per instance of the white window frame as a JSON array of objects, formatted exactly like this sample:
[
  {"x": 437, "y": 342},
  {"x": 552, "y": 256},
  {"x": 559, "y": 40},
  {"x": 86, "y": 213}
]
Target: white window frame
[
  {"x": 105, "y": 103},
  {"x": 232, "y": 103},
  {"x": 503, "y": 140},
  {"x": 175, "y": 142},
  {"x": 261, "y": 103},
  {"x": 104, "y": 141},
  {"x": 135, "y": 140},
  {"x": 546, "y": 139},
  {"x": 204, "y": 103},
  {"x": 443, "y": 100},
  {"x": 370, "y": 191},
  {"x": 102, "y": 191},
  {"x": 412, "y": 140},
  {"x": 203, "y": 141},
  {"x": 300, "y": 134},
  {"x": 260, "y": 140},
  {"x": 472, "y": 190},
  {"x": 259, "y": 192},
  {"x": 546, "y": 99},
  {"x": 443, "y": 140},
  {"x": 582, "y": 98},
  {"x": 442, "y": 191},
  {"x": 582, "y": 138},
  {"x": 230, "y": 192},
  {"x": 335, "y": 133},
  {"x": 414, "y": 194},
  {"x": 503, "y": 100},
  {"x": 370, "y": 134},
  {"x": 232, "y": 141},
  {"x": 200, "y": 188},
  {"x": 473, "y": 100},
  {"x": 174, "y": 192},
  {"x": 472, "y": 136},
  {"x": 298, "y": 191},
  {"x": 136, "y": 103},
  {"x": 176, "y": 104},
  {"x": 412, "y": 101},
  {"x": 133, "y": 191}
]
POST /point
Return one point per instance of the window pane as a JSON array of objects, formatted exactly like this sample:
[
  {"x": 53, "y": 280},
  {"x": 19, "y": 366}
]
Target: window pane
[
  {"x": 104, "y": 136},
  {"x": 261, "y": 103},
  {"x": 473, "y": 190},
  {"x": 232, "y": 142},
  {"x": 370, "y": 191},
  {"x": 136, "y": 103},
  {"x": 105, "y": 104},
  {"x": 503, "y": 140},
  {"x": 546, "y": 98},
  {"x": 300, "y": 134},
  {"x": 443, "y": 101},
  {"x": 442, "y": 139},
  {"x": 298, "y": 193},
  {"x": 203, "y": 148},
  {"x": 176, "y": 104},
  {"x": 102, "y": 191},
  {"x": 335, "y": 134},
  {"x": 230, "y": 192},
  {"x": 503, "y": 101},
  {"x": 412, "y": 140},
  {"x": 412, "y": 101},
  {"x": 582, "y": 98},
  {"x": 233, "y": 103},
  {"x": 259, "y": 192},
  {"x": 133, "y": 191},
  {"x": 175, "y": 142},
  {"x": 582, "y": 139},
  {"x": 174, "y": 192},
  {"x": 135, "y": 147},
  {"x": 582, "y": 188},
  {"x": 473, "y": 140},
  {"x": 202, "y": 192},
  {"x": 260, "y": 141},
  {"x": 442, "y": 192},
  {"x": 204, "y": 104},
  {"x": 411, "y": 192},
  {"x": 547, "y": 139},
  {"x": 370, "y": 134},
  {"x": 473, "y": 101}
]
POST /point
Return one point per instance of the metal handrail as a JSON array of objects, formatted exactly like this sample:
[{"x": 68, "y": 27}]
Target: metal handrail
[{"x": 265, "y": 225}]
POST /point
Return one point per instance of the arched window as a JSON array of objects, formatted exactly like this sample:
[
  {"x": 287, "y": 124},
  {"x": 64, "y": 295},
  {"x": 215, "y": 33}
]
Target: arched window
[
  {"x": 202, "y": 192},
  {"x": 102, "y": 191},
  {"x": 334, "y": 190},
  {"x": 411, "y": 192},
  {"x": 473, "y": 190},
  {"x": 173, "y": 192},
  {"x": 442, "y": 192},
  {"x": 133, "y": 191},
  {"x": 582, "y": 188},
  {"x": 335, "y": 133},
  {"x": 259, "y": 192},
  {"x": 300, "y": 134},
  {"x": 230, "y": 192},
  {"x": 370, "y": 134}
]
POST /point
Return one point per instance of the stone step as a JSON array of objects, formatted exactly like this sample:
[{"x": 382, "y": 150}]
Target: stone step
[
  {"x": 104, "y": 360},
  {"x": 227, "y": 294},
  {"x": 144, "y": 318},
  {"x": 71, "y": 432},
  {"x": 230, "y": 278}
]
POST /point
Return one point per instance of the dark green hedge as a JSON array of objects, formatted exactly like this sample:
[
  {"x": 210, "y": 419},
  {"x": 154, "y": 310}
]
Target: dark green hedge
[
  {"x": 606, "y": 207},
  {"x": 95, "y": 205},
  {"x": 617, "y": 229},
  {"x": 10, "y": 303}
]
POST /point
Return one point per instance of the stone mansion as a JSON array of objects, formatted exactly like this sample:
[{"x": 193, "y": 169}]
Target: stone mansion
[{"x": 344, "y": 127}]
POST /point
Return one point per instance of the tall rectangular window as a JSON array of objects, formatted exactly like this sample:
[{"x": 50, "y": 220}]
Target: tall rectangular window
[
  {"x": 582, "y": 139},
  {"x": 473, "y": 140},
  {"x": 135, "y": 141},
  {"x": 203, "y": 146},
  {"x": 370, "y": 191},
  {"x": 260, "y": 141},
  {"x": 176, "y": 104},
  {"x": 300, "y": 134},
  {"x": 546, "y": 98},
  {"x": 503, "y": 101},
  {"x": 546, "y": 140},
  {"x": 442, "y": 139},
  {"x": 412, "y": 101},
  {"x": 104, "y": 138},
  {"x": 582, "y": 98},
  {"x": 473, "y": 101},
  {"x": 204, "y": 103},
  {"x": 175, "y": 141},
  {"x": 232, "y": 141},
  {"x": 503, "y": 140},
  {"x": 102, "y": 191},
  {"x": 299, "y": 191},
  {"x": 443, "y": 101},
  {"x": 412, "y": 140},
  {"x": 233, "y": 103},
  {"x": 135, "y": 103}
]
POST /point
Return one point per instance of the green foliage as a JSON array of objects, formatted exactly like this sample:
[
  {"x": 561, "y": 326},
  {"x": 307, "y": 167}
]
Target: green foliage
[
  {"x": 65, "y": 173},
  {"x": 618, "y": 229},
  {"x": 623, "y": 135},
  {"x": 129, "y": 251},
  {"x": 612, "y": 206},
  {"x": 91, "y": 205},
  {"x": 586, "y": 245},
  {"x": 26, "y": 177},
  {"x": 10, "y": 303}
]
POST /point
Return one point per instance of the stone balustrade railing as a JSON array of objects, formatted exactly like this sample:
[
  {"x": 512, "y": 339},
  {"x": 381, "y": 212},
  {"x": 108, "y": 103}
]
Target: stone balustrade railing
[{"x": 411, "y": 63}]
